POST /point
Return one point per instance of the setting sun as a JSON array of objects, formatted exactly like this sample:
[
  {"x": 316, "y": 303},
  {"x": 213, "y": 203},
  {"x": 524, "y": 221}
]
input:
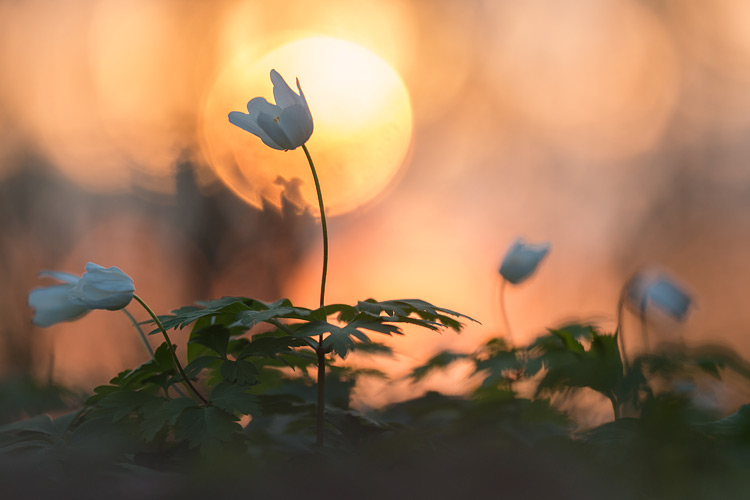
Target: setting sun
[{"x": 362, "y": 116}]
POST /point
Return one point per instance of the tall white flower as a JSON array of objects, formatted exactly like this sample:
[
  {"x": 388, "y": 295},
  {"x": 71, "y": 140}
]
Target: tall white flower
[
  {"x": 285, "y": 125},
  {"x": 521, "y": 260},
  {"x": 52, "y": 304},
  {"x": 103, "y": 288}
]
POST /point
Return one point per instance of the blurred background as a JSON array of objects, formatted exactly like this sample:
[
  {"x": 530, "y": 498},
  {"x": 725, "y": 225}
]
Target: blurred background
[{"x": 617, "y": 130}]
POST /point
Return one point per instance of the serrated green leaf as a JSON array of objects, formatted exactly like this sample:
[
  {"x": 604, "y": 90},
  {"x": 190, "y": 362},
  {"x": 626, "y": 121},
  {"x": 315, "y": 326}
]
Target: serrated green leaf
[
  {"x": 122, "y": 403},
  {"x": 234, "y": 398},
  {"x": 156, "y": 417},
  {"x": 183, "y": 316},
  {"x": 214, "y": 337},
  {"x": 240, "y": 372},
  {"x": 197, "y": 365},
  {"x": 270, "y": 346},
  {"x": 205, "y": 427},
  {"x": 250, "y": 319},
  {"x": 401, "y": 309}
]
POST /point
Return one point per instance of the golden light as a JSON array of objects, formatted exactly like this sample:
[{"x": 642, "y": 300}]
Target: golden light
[
  {"x": 363, "y": 125},
  {"x": 598, "y": 79}
]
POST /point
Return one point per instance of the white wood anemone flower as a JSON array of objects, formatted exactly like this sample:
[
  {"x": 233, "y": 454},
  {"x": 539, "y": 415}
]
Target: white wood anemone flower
[
  {"x": 521, "y": 260},
  {"x": 52, "y": 304},
  {"x": 98, "y": 288},
  {"x": 285, "y": 125},
  {"x": 659, "y": 290},
  {"x": 103, "y": 288}
]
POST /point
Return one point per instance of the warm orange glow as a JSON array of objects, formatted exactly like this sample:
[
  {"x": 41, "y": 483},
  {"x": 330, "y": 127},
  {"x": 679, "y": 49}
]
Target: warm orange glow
[
  {"x": 362, "y": 116},
  {"x": 598, "y": 79}
]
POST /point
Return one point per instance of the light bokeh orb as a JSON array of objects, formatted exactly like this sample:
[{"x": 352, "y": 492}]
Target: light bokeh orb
[{"x": 363, "y": 125}]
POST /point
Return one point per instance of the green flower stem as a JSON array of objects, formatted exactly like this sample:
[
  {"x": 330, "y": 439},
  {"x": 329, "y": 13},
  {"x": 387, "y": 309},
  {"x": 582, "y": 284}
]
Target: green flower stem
[
  {"x": 320, "y": 421},
  {"x": 618, "y": 329},
  {"x": 176, "y": 361},
  {"x": 644, "y": 325},
  {"x": 140, "y": 333},
  {"x": 504, "y": 311},
  {"x": 148, "y": 346},
  {"x": 323, "y": 223}
]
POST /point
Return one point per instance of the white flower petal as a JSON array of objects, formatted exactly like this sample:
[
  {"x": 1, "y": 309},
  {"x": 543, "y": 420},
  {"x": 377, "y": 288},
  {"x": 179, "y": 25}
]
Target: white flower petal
[
  {"x": 269, "y": 124},
  {"x": 51, "y": 305},
  {"x": 258, "y": 105},
  {"x": 296, "y": 122},
  {"x": 282, "y": 92},
  {"x": 103, "y": 288},
  {"x": 652, "y": 288},
  {"x": 60, "y": 276},
  {"x": 243, "y": 121},
  {"x": 285, "y": 125},
  {"x": 521, "y": 260}
]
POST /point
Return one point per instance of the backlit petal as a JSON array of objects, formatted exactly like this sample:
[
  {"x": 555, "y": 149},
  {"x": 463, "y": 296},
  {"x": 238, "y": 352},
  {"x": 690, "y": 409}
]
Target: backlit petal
[
  {"x": 282, "y": 92},
  {"x": 271, "y": 127},
  {"x": 51, "y": 305},
  {"x": 297, "y": 124}
]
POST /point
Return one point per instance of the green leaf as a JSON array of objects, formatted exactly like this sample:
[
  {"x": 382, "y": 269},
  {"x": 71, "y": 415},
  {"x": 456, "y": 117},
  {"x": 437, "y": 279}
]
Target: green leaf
[
  {"x": 122, "y": 403},
  {"x": 250, "y": 319},
  {"x": 197, "y": 365},
  {"x": 205, "y": 427},
  {"x": 156, "y": 418},
  {"x": 399, "y": 310},
  {"x": 270, "y": 345},
  {"x": 183, "y": 316},
  {"x": 214, "y": 337},
  {"x": 242, "y": 372},
  {"x": 376, "y": 348},
  {"x": 570, "y": 364},
  {"x": 234, "y": 398}
]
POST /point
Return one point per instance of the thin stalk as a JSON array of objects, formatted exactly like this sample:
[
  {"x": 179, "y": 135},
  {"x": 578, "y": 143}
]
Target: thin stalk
[
  {"x": 140, "y": 333},
  {"x": 323, "y": 224},
  {"x": 504, "y": 312},
  {"x": 644, "y": 326},
  {"x": 176, "y": 361},
  {"x": 150, "y": 350},
  {"x": 618, "y": 330},
  {"x": 320, "y": 421}
]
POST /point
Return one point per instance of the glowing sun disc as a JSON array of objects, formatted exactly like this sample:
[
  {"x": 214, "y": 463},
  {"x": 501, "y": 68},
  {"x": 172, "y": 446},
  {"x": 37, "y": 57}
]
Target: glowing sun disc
[{"x": 362, "y": 116}]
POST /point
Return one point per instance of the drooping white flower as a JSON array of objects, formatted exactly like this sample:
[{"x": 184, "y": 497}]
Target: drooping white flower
[
  {"x": 52, "y": 304},
  {"x": 521, "y": 260},
  {"x": 656, "y": 289},
  {"x": 285, "y": 125},
  {"x": 103, "y": 288}
]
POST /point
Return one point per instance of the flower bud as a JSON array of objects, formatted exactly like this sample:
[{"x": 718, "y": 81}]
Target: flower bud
[
  {"x": 522, "y": 260},
  {"x": 103, "y": 288}
]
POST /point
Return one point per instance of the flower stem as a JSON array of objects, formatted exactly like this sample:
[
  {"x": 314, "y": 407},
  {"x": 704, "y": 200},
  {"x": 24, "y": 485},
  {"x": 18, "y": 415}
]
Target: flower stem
[
  {"x": 323, "y": 224},
  {"x": 176, "y": 361},
  {"x": 504, "y": 312},
  {"x": 320, "y": 421},
  {"x": 148, "y": 347},
  {"x": 644, "y": 326},
  {"x": 618, "y": 329},
  {"x": 140, "y": 333}
]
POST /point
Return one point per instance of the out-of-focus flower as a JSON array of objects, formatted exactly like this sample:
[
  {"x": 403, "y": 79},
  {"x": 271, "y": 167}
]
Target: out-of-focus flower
[
  {"x": 103, "y": 288},
  {"x": 658, "y": 290},
  {"x": 522, "y": 260},
  {"x": 52, "y": 304},
  {"x": 287, "y": 124}
]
